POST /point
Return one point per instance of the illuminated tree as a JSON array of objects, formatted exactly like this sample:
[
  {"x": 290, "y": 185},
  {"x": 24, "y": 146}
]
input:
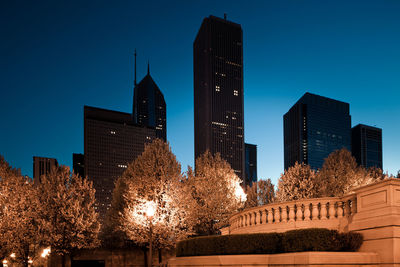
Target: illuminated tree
[
  {"x": 260, "y": 193},
  {"x": 68, "y": 214},
  {"x": 19, "y": 223},
  {"x": 340, "y": 174},
  {"x": 154, "y": 177},
  {"x": 297, "y": 182},
  {"x": 216, "y": 191}
]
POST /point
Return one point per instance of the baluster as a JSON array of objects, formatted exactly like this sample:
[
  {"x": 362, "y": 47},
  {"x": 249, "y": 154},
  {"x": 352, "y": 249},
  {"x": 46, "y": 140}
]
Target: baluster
[
  {"x": 284, "y": 214},
  {"x": 250, "y": 219},
  {"x": 307, "y": 212},
  {"x": 315, "y": 211},
  {"x": 332, "y": 210},
  {"x": 299, "y": 212},
  {"x": 323, "y": 210},
  {"x": 264, "y": 216},
  {"x": 346, "y": 208},
  {"x": 339, "y": 209},
  {"x": 292, "y": 214},
  {"x": 255, "y": 216},
  {"x": 270, "y": 216}
]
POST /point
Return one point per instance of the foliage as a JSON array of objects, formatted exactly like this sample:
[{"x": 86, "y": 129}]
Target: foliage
[
  {"x": 230, "y": 245},
  {"x": 216, "y": 192},
  {"x": 319, "y": 239},
  {"x": 260, "y": 193},
  {"x": 376, "y": 173},
  {"x": 19, "y": 222},
  {"x": 297, "y": 182},
  {"x": 340, "y": 174},
  {"x": 313, "y": 239},
  {"x": 67, "y": 211},
  {"x": 154, "y": 177}
]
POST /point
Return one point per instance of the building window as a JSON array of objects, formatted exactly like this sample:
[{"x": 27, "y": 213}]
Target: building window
[
  {"x": 217, "y": 88},
  {"x": 235, "y": 92}
]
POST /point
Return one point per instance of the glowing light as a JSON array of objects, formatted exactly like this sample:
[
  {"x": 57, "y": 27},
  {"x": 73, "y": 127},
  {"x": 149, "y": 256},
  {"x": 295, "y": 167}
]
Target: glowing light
[
  {"x": 150, "y": 209},
  {"x": 5, "y": 261},
  {"x": 45, "y": 252},
  {"x": 12, "y": 255},
  {"x": 30, "y": 261}
]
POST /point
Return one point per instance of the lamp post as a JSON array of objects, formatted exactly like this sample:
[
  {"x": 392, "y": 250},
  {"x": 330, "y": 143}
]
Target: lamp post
[{"x": 150, "y": 210}]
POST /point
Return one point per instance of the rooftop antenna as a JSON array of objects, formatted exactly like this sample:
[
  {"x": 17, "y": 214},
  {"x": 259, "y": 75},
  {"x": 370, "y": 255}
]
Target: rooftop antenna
[
  {"x": 135, "y": 68},
  {"x": 148, "y": 67},
  {"x": 224, "y": 16}
]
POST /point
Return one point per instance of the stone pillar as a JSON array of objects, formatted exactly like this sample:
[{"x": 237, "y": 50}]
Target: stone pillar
[{"x": 378, "y": 220}]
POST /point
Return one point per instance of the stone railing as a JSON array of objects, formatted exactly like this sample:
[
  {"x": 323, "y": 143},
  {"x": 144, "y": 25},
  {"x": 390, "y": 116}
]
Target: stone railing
[{"x": 331, "y": 212}]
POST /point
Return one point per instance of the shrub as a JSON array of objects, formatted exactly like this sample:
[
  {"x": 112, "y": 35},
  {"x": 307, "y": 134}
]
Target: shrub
[{"x": 313, "y": 239}]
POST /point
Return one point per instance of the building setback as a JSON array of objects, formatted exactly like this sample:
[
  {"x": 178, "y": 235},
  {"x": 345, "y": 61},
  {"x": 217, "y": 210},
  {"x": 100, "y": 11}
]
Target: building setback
[
  {"x": 218, "y": 91},
  {"x": 78, "y": 164},
  {"x": 366, "y": 146},
  {"x": 111, "y": 142},
  {"x": 42, "y": 166},
  {"x": 250, "y": 164},
  {"x": 315, "y": 127},
  {"x": 149, "y": 108}
]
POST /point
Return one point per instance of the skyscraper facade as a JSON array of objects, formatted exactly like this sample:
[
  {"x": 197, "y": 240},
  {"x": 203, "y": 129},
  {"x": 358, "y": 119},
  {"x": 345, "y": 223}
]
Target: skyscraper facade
[
  {"x": 218, "y": 91},
  {"x": 366, "y": 145},
  {"x": 111, "y": 142},
  {"x": 42, "y": 166},
  {"x": 250, "y": 164},
  {"x": 149, "y": 108},
  {"x": 313, "y": 128}
]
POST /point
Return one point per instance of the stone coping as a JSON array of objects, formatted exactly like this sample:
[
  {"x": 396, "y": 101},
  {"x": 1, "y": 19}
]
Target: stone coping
[{"x": 298, "y": 258}]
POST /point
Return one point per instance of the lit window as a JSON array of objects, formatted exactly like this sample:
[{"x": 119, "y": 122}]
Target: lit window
[
  {"x": 235, "y": 92},
  {"x": 112, "y": 132},
  {"x": 217, "y": 88}
]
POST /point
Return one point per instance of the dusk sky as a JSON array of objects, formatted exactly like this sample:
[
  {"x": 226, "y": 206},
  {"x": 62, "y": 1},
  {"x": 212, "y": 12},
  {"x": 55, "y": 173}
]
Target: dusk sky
[{"x": 57, "y": 56}]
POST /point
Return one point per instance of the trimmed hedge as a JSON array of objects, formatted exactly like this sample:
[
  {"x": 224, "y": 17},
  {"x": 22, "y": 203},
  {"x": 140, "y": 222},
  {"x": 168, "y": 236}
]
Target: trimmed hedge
[{"x": 313, "y": 239}]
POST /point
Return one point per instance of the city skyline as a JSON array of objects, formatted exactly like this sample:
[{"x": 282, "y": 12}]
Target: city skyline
[{"x": 59, "y": 58}]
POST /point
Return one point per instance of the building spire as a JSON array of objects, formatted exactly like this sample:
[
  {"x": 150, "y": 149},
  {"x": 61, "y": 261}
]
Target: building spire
[
  {"x": 148, "y": 67},
  {"x": 135, "y": 69}
]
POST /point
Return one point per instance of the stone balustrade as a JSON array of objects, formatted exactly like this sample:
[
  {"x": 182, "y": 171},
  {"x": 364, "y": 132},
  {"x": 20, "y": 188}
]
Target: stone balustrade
[{"x": 331, "y": 212}]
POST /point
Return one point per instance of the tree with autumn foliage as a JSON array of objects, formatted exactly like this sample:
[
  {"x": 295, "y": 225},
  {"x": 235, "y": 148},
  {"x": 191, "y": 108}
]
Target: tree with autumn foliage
[
  {"x": 216, "y": 191},
  {"x": 19, "y": 221},
  {"x": 260, "y": 193},
  {"x": 154, "y": 177},
  {"x": 297, "y": 182},
  {"x": 340, "y": 174},
  {"x": 69, "y": 219}
]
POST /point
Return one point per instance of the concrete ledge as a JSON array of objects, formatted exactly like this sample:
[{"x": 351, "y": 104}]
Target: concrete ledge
[{"x": 286, "y": 259}]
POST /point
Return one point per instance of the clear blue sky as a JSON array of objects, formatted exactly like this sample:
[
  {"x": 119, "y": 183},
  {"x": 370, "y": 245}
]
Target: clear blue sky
[{"x": 57, "y": 56}]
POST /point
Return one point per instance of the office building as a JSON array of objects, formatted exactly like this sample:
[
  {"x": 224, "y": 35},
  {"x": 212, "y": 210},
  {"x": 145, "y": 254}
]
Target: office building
[
  {"x": 250, "y": 164},
  {"x": 111, "y": 142},
  {"x": 315, "y": 127},
  {"x": 42, "y": 166},
  {"x": 78, "y": 164},
  {"x": 218, "y": 91},
  {"x": 149, "y": 108},
  {"x": 366, "y": 145}
]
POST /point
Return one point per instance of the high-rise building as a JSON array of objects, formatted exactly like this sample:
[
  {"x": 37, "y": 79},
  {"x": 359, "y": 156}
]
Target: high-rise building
[
  {"x": 111, "y": 141},
  {"x": 149, "y": 107},
  {"x": 78, "y": 164},
  {"x": 250, "y": 164},
  {"x": 218, "y": 91},
  {"x": 366, "y": 145},
  {"x": 42, "y": 166},
  {"x": 313, "y": 128}
]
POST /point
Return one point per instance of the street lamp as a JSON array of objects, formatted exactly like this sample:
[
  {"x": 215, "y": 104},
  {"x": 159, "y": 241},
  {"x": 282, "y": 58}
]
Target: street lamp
[{"x": 150, "y": 211}]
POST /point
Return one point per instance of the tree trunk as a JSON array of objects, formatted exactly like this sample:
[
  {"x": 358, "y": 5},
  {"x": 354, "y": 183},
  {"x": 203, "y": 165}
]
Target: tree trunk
[
  {"x": 159, "y": 256},
  {"x": 145, "y": 257},
  {"x": 63, "y": 260}
]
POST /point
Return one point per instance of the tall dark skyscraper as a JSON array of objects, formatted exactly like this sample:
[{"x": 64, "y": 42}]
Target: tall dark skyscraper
[
  {"x": 218, "y": 91},
  {"x": 250, "y": 164},
  {"x": 42, "y": 166},
  {"x": 366, "y": 145},
  {"x": 313, "y": 128},
  {"x": 111, "y": 141},
  {"x": 149, "y": 107}
]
